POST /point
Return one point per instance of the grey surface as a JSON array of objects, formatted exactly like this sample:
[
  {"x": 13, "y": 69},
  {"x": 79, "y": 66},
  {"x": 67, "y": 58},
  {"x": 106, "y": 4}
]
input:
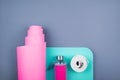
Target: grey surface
[{"x": 71, "y": 23}]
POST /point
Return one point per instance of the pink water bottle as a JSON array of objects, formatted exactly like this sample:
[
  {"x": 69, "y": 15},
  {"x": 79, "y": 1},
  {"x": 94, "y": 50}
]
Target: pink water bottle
[
  {"x": 60, "y": 69},
  {"x": 31, "y": 58}
]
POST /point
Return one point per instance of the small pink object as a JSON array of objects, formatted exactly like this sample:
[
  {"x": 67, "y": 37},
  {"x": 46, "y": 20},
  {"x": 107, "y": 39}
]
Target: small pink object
[
  {"x": 60, "y": 71},
  {"x": 31, "y": 58}
]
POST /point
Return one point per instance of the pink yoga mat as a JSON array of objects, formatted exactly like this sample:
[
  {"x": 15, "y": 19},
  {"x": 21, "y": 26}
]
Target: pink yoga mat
[{"x": 31, "y": 58}]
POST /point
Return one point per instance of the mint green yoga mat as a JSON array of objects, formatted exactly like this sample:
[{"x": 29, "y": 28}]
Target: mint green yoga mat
[{"x": 68, "y": 53}]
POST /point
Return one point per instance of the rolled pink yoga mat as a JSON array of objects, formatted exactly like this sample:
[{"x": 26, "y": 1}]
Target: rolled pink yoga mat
[{"x": 31, "y": 58}]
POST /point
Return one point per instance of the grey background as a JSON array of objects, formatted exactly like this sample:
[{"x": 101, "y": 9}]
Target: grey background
[{"x": 71, "y": 23}]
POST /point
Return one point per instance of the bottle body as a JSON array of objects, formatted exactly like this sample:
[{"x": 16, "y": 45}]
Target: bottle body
[
  {"x": 60, "y": 68},
  {"x": 60, "y": 71}
]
